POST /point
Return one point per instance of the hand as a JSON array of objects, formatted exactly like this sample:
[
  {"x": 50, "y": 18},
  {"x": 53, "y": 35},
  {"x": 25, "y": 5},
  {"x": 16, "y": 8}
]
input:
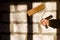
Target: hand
[{"x": 44, "y": 22}]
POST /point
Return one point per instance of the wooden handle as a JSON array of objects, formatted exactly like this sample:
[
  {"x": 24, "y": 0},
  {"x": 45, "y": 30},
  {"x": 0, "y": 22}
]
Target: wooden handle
[{"x": 36, "y": 9}]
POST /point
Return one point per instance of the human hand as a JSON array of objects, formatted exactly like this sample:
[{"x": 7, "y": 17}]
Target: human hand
[{"x": 44, "y": 22}]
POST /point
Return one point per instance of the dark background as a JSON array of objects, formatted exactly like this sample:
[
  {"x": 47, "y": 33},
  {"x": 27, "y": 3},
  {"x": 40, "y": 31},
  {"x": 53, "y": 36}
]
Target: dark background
[{"x": 5, "y": 17}]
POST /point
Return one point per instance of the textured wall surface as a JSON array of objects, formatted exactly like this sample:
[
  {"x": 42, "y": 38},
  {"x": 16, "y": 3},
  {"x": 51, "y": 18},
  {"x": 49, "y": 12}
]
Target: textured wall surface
[{"x": 18, "y": 21}]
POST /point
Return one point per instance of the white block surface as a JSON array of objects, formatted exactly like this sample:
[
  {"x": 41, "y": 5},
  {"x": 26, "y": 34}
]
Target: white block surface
[
  {"x": 35, "y": 28},
  {"x": 12, "y": 8},
  {"x": 22, "y": 28},
  {"x": 19, "y": 17},
  {"x": 18, "y": 37},
  {"x": 21, "y": 7},
  {"x": 50, "y": 5}
]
